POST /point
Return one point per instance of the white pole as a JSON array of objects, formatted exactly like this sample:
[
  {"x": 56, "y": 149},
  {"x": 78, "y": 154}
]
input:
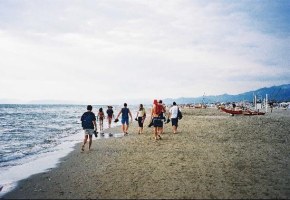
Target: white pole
[
  {"x": 255, "y": 102},
  {"x": 266, "y": 103}
]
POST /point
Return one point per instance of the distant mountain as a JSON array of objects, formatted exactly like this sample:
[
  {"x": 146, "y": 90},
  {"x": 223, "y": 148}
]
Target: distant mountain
[{"x": 275, "y": 93}]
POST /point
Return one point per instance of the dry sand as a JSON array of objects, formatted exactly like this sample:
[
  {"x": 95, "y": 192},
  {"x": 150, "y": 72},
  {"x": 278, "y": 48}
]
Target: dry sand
[{"x": 214, "y": 155}]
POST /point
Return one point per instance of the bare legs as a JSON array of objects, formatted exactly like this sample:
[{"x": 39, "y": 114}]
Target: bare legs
[
  {"x": 101, "y": 125},
  {"x": 140, "y": 131},
  {"x": 174, "y": 129},
  {"x": 85, "y": 141},
  {"x": 109, "y": 121},
  {"x": 125, "y": 128},
  {"x": 157, "y": 132}
]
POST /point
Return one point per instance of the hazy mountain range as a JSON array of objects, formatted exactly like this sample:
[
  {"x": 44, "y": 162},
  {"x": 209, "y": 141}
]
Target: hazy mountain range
[{"x": 275, "y": 93}]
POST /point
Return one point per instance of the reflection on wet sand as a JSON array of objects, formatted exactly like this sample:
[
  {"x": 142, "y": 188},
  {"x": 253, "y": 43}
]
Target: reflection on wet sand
[{"x": 109, "y": 135}]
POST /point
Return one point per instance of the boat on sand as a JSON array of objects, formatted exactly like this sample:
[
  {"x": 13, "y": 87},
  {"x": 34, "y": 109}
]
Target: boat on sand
[
  {"x": 250, "y": 112},
  {"x": 242, "y": 112},
  {"x": 233, "y": 112}
]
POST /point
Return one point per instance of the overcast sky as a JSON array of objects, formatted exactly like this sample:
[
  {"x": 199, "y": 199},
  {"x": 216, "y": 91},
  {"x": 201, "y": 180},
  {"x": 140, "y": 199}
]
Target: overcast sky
[{"x": 115, "y": 51}]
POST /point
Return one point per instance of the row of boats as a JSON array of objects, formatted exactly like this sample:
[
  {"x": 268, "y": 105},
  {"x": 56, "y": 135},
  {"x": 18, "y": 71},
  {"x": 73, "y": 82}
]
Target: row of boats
[{"x": 242, "y": 112}]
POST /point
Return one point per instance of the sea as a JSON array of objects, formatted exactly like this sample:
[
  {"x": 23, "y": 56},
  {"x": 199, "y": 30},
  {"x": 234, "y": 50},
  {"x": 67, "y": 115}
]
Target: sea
[{"x": 33, "y": 138}]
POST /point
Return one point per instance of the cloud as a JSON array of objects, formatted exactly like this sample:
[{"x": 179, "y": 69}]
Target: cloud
[{"x": 112, "y": 50}]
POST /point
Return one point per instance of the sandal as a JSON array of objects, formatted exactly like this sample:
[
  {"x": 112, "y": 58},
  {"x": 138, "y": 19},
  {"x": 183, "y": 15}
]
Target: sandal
[{"x": 83, "y": 147}]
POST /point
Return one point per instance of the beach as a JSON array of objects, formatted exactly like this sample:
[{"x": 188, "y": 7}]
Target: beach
[{"x": 213, "y": 156}]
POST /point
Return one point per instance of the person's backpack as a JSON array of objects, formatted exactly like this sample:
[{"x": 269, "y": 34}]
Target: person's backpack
[{"x": 179, "y": 114}]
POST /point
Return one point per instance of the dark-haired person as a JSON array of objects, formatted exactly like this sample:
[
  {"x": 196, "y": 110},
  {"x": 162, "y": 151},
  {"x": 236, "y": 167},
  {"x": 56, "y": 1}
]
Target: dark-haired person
[
  {"x": 156, "y": 112},
  {"x": 125, "y": 118},
  {"x": 141, "y": 115},
  {"x": 89, "y": 125},
  {"x": 101, "y": 116},
  {"x": 110, "y": 115},
  {"x": 173, "y": 115},
  {"x": 162, "y": 115}
]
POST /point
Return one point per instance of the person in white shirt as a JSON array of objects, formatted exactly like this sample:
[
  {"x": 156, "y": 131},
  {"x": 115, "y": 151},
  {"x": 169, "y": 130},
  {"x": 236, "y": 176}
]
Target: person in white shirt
[
  {"x": 173, "y": 115},
  {"x": 141, "y": 115}
]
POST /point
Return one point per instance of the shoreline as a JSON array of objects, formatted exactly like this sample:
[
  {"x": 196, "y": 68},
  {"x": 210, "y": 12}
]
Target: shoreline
[
  {"x": 44, "y": 162},
  {"x": 214, "y": 155}
]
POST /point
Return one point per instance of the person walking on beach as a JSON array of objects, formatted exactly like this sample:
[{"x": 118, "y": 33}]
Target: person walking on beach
[
  {"x": 110, "y": 115},
  {"x": 162, "y": 115},
  {"x": 234, "y": 107},
  {"x": 173, "y": 115},
  {"x": 157, "y": 121},
  {"x": 125, "y": 118},
  {"x": 101, "y": 116},
  {"x": 89, "y": 125},
  {"x": 141, "y": 115}
]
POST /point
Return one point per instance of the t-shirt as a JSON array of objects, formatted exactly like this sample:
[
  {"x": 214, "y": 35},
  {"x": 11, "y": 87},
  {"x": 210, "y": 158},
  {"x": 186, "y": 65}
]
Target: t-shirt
[
  {"x": 87, "y": 120},
  {"x": 125, "y": 113},
  {"x": 141, "y": 113},
  {"x": 174, "y": 111},
  {"x": 110, "y": 112}
]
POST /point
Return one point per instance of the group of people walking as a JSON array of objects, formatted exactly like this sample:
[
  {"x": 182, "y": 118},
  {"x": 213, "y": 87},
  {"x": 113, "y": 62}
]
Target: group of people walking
[
  {"x": 89, "y": 123},
  {"x": 158, "y": 118}
]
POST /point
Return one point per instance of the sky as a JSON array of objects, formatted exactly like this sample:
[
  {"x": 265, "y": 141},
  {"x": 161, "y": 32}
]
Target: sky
[{"x": 115, "y": 51}]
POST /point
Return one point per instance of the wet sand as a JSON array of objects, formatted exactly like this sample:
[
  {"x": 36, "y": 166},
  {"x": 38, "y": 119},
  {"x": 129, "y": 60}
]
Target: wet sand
[{"x": 214, "y": 155}]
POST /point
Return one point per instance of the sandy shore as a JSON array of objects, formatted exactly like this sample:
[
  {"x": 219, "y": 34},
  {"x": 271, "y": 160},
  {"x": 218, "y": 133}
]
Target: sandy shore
[{"x": 214, "y": 155}]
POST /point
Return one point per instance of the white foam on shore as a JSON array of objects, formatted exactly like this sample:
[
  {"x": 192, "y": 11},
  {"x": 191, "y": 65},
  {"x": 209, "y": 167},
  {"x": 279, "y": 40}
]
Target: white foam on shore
[{"x": 10, "y": 177}]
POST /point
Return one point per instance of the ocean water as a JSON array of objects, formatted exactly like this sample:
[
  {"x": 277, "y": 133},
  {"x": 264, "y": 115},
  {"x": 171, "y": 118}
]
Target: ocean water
[{"x": 34, "y": 137}]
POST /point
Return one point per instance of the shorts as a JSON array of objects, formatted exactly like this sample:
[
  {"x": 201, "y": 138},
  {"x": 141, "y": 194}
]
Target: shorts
[
  {"x": 89, "y": 131},
  {"x": 174, "y": 121},
  {"x": 157, "y": 122},
  {"x": 125, "y": 121},
  {"x": 140, "y": 122}
]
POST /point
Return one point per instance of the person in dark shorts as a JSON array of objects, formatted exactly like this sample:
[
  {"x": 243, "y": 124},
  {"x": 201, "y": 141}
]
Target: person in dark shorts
[
  {"x": 89, "y": 125},
  {"x": 125, "y": 118},
  {"x": 156, "y": 112},
  {"x": 141, "y": 115},
  {"x": 173, "y": 115},
  {"x": 162, "y": 115},
  {"x": 110, "y": 115}
]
